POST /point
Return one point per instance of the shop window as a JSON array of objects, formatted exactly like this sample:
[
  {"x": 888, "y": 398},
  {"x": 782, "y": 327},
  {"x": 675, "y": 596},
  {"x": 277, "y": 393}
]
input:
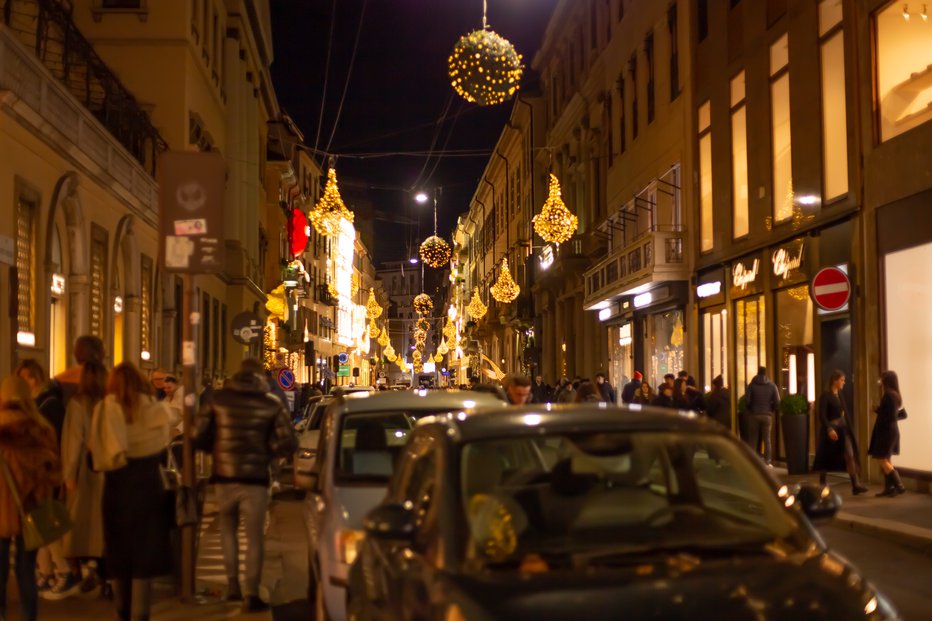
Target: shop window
[
  {"x": 904, "y": 70},
  {"x": 25, "y": 269},
  {"x": 58, "y": 337},
  {"x": 715, "y": 346},
  {"x": 739, "y": 158},
  {"x": 145, "y": 309},
  {"x": 780, "y": 130},
  {"x": 621, "y": 355},
  {"x": 750, "y": 344},
  {"x": 834, "y": 105},
  {"x": 794, "y": 343},
  {"x": 665, "y": 343},
  {"x": 706, "y": 241}
]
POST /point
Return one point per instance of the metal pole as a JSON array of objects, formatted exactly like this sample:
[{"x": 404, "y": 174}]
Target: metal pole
[{"x": 189, "y": 359}]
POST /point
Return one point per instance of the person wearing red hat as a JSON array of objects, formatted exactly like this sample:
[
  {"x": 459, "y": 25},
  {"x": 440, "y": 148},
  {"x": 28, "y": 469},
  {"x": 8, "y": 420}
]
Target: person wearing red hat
[{"x": 631, "y": 388}]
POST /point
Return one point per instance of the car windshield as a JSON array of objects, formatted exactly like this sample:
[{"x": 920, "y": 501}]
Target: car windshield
[
  {"x": 369, "y": 443},
  {"x": 602, "y": 497}
]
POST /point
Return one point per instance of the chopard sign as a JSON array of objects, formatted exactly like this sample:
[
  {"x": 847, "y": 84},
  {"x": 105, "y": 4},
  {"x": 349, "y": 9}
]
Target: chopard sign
[
  {"x": 784, "y": 262},
  {"x": 741, "y": 276}
]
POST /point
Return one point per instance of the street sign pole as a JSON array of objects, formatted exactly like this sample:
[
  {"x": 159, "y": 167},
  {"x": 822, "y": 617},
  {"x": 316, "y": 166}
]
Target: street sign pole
[{"x": 189, "y": 360}]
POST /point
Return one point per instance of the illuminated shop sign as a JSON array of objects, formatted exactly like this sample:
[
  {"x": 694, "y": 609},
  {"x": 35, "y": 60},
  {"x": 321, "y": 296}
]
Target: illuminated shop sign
[
  {"x": 546, "y": 257},
  {"x": 642, "y": 300},
  {"x": 742, "y": 275},
  {"x": 787, "y": 259},
  {"x": 624, "y": 335},
  {"x": 343, "y": 282},
  {"x": 707, "y": 290}
]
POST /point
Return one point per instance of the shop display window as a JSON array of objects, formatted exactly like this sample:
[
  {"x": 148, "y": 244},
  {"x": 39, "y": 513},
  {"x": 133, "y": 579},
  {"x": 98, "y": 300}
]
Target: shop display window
[
  {"x": 621, "y": 356},
  {"x": 904, "y": 67},
  {"x": 715, "y": 346},
  {"x": 750, "y": 346},
  {"x": 665, "y": 340},
  {"x": 794, "y": 343}
]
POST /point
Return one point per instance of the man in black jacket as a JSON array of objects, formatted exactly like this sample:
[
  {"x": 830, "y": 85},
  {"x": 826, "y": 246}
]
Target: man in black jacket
[
  {"x": 762, "y": 400},
  {"x": 244, "y": 427}
]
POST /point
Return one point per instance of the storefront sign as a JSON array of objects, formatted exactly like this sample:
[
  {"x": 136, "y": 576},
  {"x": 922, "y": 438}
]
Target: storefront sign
[
  {"x": 707, "y": 290},
  {"x": 645, "y": 299},
  {"x": 742, "y": 275},
  {"x": 546, "y": 257},
  {"x": 624, "y": 335},
  {"x": 788, "y": 259}
]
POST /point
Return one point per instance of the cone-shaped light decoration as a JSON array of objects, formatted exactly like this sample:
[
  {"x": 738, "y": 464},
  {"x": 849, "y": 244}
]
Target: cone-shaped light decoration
[
  {"x": 449, "y": 330},
  {"x": 476, "y": 308},
  {"x": 373, "y": 329},
  {"x": 442, "y": 349},
  {"x": 435, "y": 251},
  {"x": 438, "y": 358},
  {"x": 389, "y": 352},
  {"x": 484, "y": 68},
  {"x": 423, "y": 304},
  {"x": 555, "y": 223},
  {"x": 373, "y": 309},
  {"x": 330, "y": 210},
  {"x": 505, "y": 290},
  {"x": 383, "y": 337}
]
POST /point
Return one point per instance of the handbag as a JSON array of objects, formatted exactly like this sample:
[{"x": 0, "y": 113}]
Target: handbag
[
  {"x": 185, "y": 505},
  {"x": 46, "y": 523},
  {"x": 901, "y": 415}
]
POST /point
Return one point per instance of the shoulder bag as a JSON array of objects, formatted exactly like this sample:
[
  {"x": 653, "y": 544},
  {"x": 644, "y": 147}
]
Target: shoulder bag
[
  {"x": 46, "y": 523},
  {"x": 901, "y": 414}
]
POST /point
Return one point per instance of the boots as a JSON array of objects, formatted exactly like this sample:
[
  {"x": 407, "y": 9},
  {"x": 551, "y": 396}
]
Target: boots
[
  {"x": 888, "y": 488},
  {"x": 856, "y": 487},
  {"x": 897, "y": 483}
]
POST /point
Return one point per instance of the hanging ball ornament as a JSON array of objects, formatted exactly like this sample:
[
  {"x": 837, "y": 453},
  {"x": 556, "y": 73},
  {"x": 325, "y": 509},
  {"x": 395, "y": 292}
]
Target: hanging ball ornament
[
  {"x": 555, "y": 223},
  {"x": 484, "y": 68},
  {"x": 330, "y": 211},
  {"x": 423, "y": 304},
  {"x": 435, "y": 252},
  {"x": 476, "y": 308},
  {"x": 505, "y": 290}
]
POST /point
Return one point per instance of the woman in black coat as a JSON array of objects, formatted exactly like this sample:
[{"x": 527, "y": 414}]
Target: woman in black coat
[
  {"x": 885, "y": 437},
  {"x": 837, "y": 448},
  {"x": 718, "y": 403}
]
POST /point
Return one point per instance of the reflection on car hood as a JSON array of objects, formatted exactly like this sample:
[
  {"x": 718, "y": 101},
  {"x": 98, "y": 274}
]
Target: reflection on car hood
[
  {"x": 351, "y": 503},
  {"x": 755, "y": 588}
]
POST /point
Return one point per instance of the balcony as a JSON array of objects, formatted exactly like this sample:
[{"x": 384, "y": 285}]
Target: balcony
[
  {"x": 654, "y": 257},
  {"x": 45, "y": 28}
]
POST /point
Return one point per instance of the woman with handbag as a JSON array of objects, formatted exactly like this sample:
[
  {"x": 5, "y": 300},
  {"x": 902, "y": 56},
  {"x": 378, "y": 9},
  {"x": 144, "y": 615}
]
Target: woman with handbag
[
  {"x": 885, "y": 436},
  {"x": 837, "y": 449},
  {"x": 84, "y": 488},
  {"x": 31, "y": 470},
  {"x": 129, "y": 438}
]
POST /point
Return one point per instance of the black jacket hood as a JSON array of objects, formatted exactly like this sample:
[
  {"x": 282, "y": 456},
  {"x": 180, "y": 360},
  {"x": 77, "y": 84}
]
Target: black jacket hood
[{"x": 248, "y": 382}]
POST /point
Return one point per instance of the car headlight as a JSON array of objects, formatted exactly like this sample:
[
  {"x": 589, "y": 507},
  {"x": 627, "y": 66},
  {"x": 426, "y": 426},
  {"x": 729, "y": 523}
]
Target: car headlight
[{"x": 348, "y": 543}]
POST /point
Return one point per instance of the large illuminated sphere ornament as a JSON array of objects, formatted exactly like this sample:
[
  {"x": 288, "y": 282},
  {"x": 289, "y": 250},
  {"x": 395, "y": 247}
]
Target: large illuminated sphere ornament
[
  {"x": 476, "y": 308},
  {"x": 506, "y": 289},
  {"x": 423, "y": 304},
  {"x": 435, "y": 252},
  {"x": 330, "y": 210},
  {"x": 555, "y": 223},
  {"x": 484, "y": 68}
]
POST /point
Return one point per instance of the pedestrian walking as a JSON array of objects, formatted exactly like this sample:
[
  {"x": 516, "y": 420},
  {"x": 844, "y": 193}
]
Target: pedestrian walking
[
  {"x": 130, "y": 433},
  {"x": 86, "y": 348},
  {"x": 517, "y": 389},
  {"x": 540, "y": 392},
  {"x": 885, "y": 436},
  {"x": 644, "y": 395},
  {"x": 244, "y": 427},
  {"x": 630, "y": 390},
  {"x": 84, "y": 487},
  {"x": 568, "y": 392},
  {"x": 718, "y": 403},
  {"x": 588, "y": 393},
  {"x": 664, "y": 396},
  {"x": 605, "y": 388},
  {"x": 763, "y": 399},
  {"x": 837, "y": 449},
  {"x": 29, "y": 456},
  {"x": 680, "y": 398}
]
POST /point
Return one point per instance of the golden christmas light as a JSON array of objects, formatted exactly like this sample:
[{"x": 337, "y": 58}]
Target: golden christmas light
[
  {"x": 505, "y": 290},
  {"x": 485, "y": 68},
  {"x": 438, "y": 358},
  {"x": 422, "y": 324},
  {"x": 442, "y": 349},
  {"x": 330, "y": 210},
  {"x": 374, "y": 330},
  {"x": 389, "y": 353},
  {"x": 416, "y": 356},
  {"x": 373, "y": 309},
  {"x": 476, "y": 308},
  {"x": 423, "y": 304},
  {"x": 555, "y": 223},
  {"x": 435, "y": 251},
  {"x": 383, "y": 337}
]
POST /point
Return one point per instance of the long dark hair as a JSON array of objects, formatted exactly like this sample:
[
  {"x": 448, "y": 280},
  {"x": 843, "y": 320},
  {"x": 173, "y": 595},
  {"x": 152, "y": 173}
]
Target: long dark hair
[
  {"x": 93, "y": 383},
  {"x": 891, "y": 384},
  {"x": 128, "y": 385}
]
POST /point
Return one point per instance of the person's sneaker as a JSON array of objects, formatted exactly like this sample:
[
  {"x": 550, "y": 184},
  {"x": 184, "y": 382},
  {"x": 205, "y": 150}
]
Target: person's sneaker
[
  {"x": 252, "y": 603},
  {"x": 65, "y": 586},
  {"x": 90, "y": 587}
]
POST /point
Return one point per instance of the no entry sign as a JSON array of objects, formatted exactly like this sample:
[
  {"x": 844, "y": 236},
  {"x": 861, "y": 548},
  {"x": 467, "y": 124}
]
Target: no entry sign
[{"x": 831, "y": 289}]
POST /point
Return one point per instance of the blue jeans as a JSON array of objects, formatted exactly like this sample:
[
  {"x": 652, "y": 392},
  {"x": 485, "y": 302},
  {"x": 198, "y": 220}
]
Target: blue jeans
[
  {"x": 25, "y": 579},
  {"x": 251, "y": 502}
]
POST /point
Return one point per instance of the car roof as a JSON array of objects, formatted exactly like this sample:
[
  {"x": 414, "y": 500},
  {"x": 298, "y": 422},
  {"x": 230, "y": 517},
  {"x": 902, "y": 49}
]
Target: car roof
[
  {"x": 439, "y": 400},
  {"x": 538, "y": 419}
]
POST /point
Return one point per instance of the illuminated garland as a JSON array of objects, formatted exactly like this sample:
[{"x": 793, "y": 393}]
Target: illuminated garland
[
  {"x": 449, "y": 330},
  {"x": 485, "y": 68},
  {"x": 389, "y": 353},
  {"x": 384, "y": 338},
  {"x": 374, "y": 330},
  {"x": 505, "y": 290},
  {"x": 330, "y": 210},
  {"x": 435, "y": 251},
  {"x": 476, "y": 308},
  {"x": 423, "y": 304},
  {"x": 422, "y": 324},
  {"x": 442, "y": 349},
  {"x": 555, "y": 223},
  {"x": 373, "y": 309}
]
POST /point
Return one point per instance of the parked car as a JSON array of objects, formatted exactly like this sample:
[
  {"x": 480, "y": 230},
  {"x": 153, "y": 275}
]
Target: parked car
[
  {"x": 361, "y": 435},
  {"x": 308, "y": 432},
  {"x": 596, "y": 512}
]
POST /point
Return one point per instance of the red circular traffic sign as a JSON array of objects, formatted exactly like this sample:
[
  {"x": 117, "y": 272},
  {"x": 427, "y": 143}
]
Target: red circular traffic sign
[{"x": 831, "y": 289}]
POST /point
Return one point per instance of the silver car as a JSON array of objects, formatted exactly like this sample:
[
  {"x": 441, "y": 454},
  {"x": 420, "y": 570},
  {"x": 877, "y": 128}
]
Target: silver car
[
  {"x": 361, "y": 435},
  {"x": 308, "y": 432}
]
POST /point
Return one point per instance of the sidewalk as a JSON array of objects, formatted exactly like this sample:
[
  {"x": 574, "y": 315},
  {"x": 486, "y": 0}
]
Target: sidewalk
[{"x": 905, "y": 519}]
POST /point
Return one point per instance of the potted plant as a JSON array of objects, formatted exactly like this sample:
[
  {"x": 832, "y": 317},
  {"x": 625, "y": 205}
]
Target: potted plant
[{"x": 794, "y": 421}]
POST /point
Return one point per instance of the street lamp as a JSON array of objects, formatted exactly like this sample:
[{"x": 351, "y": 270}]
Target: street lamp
[{"x": 421, "y": 197}]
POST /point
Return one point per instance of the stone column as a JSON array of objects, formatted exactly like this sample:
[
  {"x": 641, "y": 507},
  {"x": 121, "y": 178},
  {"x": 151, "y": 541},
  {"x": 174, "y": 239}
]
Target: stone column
[{"x": 132, "y": 329}]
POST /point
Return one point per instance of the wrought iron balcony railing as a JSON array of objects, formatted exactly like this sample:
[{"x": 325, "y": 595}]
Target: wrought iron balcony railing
[{"x": 46, "y": 27}]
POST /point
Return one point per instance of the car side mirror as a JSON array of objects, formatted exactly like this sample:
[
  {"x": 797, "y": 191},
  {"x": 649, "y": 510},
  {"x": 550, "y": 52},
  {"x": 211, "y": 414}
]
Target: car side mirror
[
  {"x": 818, "y": 502},
  {"x": 392, "y": 521}
]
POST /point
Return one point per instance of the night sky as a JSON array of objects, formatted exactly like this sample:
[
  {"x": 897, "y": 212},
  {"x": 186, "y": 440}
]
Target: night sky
[{"x": 397, "y": 93}]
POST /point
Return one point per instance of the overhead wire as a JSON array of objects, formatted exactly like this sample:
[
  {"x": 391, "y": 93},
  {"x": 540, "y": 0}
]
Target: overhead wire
[
  {"x": 323, "y": 97},
  {"x": 436, "y": 137},
  {"x": 349, "y": 74}
]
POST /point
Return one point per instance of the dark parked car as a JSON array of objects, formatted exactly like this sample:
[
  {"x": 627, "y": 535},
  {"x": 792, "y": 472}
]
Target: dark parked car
[{"x": 601, "y": 513}]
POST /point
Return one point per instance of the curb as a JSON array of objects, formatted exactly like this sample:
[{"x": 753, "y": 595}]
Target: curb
[{"x": 913, "y": 537}]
